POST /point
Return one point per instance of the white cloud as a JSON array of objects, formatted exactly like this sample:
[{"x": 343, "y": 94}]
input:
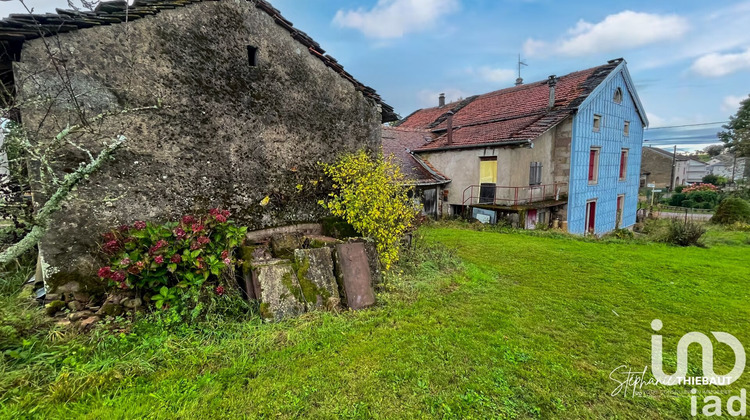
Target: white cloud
[
  {"x": 731, "y": 103},
  {"x": 717, "y": 65},
  {"x": 429, "y": 98},
  {"x": 624, "y": 30},
  {"x": 395, "y": 18},
  {"x": 493, "y": 75}
]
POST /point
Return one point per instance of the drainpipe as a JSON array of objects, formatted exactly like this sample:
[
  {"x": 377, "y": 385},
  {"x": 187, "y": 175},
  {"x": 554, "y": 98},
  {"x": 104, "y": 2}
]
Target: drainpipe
[{"x": 450, "y": 127}]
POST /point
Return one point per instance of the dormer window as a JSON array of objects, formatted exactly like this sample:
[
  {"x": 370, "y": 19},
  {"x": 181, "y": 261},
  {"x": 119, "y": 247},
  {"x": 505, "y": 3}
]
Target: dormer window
[{"x": 618, "y": 96}]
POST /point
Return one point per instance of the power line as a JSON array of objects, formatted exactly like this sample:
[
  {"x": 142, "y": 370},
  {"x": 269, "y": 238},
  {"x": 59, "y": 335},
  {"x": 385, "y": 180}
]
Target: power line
[{"x": 688, "y": 125}]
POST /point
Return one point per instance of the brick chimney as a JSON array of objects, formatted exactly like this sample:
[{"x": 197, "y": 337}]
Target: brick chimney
[
  {"x": 552, "y": 82},
  {"x": 441, "y": 100}
]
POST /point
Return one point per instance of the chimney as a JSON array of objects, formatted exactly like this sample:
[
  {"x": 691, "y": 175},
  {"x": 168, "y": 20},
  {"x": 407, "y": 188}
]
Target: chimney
[
  {"x": 441, "y": 100},
  {"x": 551, "y": 82},
  {"x": 450, "y": 127},
  {"x": 519, "y": 81}
]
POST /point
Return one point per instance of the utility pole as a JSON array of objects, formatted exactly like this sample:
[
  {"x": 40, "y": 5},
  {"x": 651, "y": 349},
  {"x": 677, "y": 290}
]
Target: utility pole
[
  {"x": 734, "y": 166},
  {"x": 674, "y": 168}
]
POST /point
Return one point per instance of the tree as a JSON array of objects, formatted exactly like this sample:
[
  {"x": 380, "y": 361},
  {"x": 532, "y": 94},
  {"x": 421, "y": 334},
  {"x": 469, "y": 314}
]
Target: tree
[
  {"x": 714, "y": 150},
  {"x": 736, "y": 134}
]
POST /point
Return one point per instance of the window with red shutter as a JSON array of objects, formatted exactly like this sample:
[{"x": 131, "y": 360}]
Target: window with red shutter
[
  {"x": 594, "y": 165},
  {"x": 623, "y": 164}
]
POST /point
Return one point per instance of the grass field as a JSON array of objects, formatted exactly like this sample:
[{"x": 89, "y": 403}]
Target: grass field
[{"x": 503, "y": 325}]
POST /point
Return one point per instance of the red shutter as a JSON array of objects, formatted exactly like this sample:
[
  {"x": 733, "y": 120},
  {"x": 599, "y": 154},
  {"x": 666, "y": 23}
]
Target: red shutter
[
  {"x": 623, "y": 162},
  {"x": 592, "y": 160}
]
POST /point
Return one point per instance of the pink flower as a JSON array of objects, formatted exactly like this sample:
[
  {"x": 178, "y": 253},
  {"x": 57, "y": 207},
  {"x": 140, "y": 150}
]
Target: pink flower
[
  {"x": 109, "y": 237},
  {"x": 203, "y": 240},
  {"x": 188, "y": 220},
  {"x": 180, "y": 233},
  {"x": 197, "y": 227},
  {"x": 158, "y": 259},
  {"x": 176, "y": 259},
  {"x": 214, "y": 212},
  {"x": 140, "y": 264},
  {"x": 220, "y": 218},
  {"x": 139, "y": 225},
  {"x": 228, "y": 261},
  {"x": 111, "y": 247},
  {"x": 123, "y": 228},
  {"x": 220, "y": 290},
  {"x": 224, "y": 254},
  {"x": 225, "y": 213},
  {"x": 105, "y": 272},
  {"x": 118, "y": 276},
  {"x": 194, "y": 246},
  {"x": 125, "y": 262}
]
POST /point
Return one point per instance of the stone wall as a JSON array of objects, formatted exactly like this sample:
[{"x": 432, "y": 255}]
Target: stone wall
[
  {"x": 658, "y": 166},
  {"x": 228, "y": 133}
]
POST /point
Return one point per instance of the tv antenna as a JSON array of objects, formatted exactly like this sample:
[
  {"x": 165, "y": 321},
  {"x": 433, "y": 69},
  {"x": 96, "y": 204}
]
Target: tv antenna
[{"x": 519, "y": 81}]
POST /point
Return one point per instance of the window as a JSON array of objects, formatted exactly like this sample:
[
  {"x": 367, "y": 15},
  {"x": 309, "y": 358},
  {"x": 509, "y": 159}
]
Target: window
[
  {"x": 594, "y": 165},
  {"x": 252, "y": 55},
  {"x": 597, "y": 122},
  {"x": 535, "y": 173},
  {"x": 623, "y": 164},
  {"x": 618, "y": 96},
  {"x": 620, "y": 210},
  {"x": 626, "y": 129},
  {"x": 591, "y": 216}
]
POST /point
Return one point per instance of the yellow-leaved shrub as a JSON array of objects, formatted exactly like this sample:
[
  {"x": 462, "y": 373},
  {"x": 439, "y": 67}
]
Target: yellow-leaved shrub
[{"x": 371, "y": 194}]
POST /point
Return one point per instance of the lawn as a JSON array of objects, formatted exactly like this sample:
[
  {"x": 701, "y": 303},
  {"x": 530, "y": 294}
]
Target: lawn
[{"x": 502, "y": 325}]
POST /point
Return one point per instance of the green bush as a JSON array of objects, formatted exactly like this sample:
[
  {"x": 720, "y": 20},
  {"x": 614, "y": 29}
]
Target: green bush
[
  {"x": 711, "y": 197},
  {"x": 717, "y": 180},
  {"x": 684, "y": 233},
  {"x": 732, "y": 210},
  {"x": 679, "y": 188},
  {"x": 688, "y": 204},
  {"x": 621, "y": 234},
  {"x": 677, "y": 198}
]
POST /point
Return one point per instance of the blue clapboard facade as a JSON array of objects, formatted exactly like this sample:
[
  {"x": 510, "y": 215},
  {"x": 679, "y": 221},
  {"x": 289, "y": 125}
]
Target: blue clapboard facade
[{"x": 613, "y": 103}]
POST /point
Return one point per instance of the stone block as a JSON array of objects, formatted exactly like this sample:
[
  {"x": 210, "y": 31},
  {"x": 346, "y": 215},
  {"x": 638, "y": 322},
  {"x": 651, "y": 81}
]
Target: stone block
[
  {"x": 278, "y": 290},
  {"x": 316, "y": 278},
  {"x": 283, "y": 245},
  {"x": 353, "y": 275}
]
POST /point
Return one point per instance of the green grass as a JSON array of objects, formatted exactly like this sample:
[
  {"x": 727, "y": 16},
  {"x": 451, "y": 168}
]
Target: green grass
[{"x": 525, "y": 325}]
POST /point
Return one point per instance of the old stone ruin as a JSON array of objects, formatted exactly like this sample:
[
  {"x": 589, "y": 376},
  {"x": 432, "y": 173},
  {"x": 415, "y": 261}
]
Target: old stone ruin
[{"x": 288, "y": 270}]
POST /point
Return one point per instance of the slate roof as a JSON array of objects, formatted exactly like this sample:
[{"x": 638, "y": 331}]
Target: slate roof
[
  {"x": 399, "y": 143},
  {"x": 17, "y": 28},
  {"x": 509, "y": 115},
  {"x": 670, "y": 155}
]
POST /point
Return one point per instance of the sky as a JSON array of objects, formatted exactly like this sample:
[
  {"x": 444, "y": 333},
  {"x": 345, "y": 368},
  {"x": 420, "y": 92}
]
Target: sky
[{"x": 690, "y": 60}]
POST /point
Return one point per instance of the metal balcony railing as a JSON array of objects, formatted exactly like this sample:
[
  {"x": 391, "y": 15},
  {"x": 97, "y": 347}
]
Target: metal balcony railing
[{"x": 499, "y": 195}]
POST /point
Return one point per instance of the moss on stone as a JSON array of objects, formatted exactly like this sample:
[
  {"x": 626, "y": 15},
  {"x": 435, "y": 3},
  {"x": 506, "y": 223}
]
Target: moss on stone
[
  {"x": 310, "y": 290},
  {"x": 295, "y": 290},
  {"x": 53, "y": 307},
  {"x": 265, "y": 310}
]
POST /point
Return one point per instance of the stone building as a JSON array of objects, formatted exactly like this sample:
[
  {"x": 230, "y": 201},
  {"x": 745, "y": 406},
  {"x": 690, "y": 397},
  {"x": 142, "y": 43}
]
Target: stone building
[
  {"x": 247, "y": 105},
  {"x": 566, "y": 148},
  {"x": 656, "y": 168},
  {"x": 734, "y": 169}
]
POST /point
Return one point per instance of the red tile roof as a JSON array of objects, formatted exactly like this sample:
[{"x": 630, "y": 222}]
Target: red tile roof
[
  {"x": 512, "y": 114},
  {"x": 399, "y": 143}
]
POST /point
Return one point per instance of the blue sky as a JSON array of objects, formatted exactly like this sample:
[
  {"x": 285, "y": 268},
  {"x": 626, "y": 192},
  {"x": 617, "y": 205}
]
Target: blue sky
[{"x": 690, "y": 60}]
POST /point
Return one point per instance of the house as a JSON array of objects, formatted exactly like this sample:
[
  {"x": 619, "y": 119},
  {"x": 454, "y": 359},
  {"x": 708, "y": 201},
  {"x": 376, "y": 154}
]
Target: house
[
  {"x": 247, "y": 107},
  {"x": 731, "y": 168},
  {"x": 656, "y": 168},
  {"x": 428, "y": 182},
  {"x": 565, "y": 148}
]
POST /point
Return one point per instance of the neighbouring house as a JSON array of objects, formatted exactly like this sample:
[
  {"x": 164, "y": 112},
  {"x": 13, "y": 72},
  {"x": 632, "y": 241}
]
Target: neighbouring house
[
  {"x": 428, "y": 182},
  {"x": 248, "y": 107},
  {"x": 734, "y": 170},
  {"x": 656, "y": 168},
  {"x": 566, "y": 148}
]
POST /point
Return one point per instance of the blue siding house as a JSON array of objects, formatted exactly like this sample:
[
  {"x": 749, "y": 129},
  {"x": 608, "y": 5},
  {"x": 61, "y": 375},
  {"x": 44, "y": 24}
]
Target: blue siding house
[
  {"x": 593, "y": 203},
  {"x": 563, "y": 152}
]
